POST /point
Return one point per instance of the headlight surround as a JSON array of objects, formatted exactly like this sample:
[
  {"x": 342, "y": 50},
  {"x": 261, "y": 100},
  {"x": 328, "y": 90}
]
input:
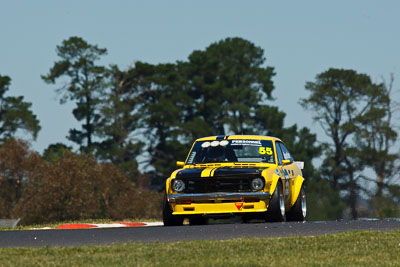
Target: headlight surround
[
  {"x": 178, "y": 185},
  {"x": 257, "y": 184}
]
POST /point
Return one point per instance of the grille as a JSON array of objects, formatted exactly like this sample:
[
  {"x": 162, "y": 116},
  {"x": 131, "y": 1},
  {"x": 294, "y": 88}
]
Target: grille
[
  {"x": 236, "y": 165},
  {"x": 215, "y": 184}
]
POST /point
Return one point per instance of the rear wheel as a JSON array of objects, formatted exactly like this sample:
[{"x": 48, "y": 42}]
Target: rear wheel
[
  {"x": 276, "y": 207},
  {"x": 168, "y": 218},
  {"x": 299, "y": 209}
]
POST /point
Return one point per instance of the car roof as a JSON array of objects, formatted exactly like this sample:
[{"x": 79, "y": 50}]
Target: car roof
[{"x": 231, "y": 137}]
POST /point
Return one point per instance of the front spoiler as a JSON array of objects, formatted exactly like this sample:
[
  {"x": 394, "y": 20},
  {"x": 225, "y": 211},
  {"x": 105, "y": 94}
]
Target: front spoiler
[{"x": 218, "y": 196}]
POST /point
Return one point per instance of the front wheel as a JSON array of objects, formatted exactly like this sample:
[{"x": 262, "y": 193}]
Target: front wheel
[
  {"x": 299, "y": 209},
  {"x": 276, "y": 207},
  {"x": 168, "y": 218}
]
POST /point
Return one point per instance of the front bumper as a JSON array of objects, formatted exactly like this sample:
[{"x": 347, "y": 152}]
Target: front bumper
[
  {"x": 218, "y": 196},
  {"x": 218, "y": 203}
]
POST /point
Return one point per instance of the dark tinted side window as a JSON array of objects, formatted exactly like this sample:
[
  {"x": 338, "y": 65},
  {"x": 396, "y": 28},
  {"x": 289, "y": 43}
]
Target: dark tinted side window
[
  {"x": 279, "y": 153},
  {"x": 286, "y": 153}
]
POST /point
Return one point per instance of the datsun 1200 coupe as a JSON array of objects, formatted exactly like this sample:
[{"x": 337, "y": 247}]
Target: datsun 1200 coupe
[{"x": 247, "y": 175}]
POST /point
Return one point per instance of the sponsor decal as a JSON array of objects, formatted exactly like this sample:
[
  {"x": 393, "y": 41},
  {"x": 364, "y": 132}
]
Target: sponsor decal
[
  {"x": 247, "y": 142},
  {"x": 286, "y": 155},
  {"x": 286, "y": 184},
  {"x": 191, "y": 157},
  {"x": 286, "y": 174},
  {"x": 239, "y": 205}
]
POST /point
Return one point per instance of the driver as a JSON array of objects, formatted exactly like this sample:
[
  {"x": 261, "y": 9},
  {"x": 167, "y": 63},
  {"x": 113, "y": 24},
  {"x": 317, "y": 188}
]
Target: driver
[{"x": 216, "y": 154}]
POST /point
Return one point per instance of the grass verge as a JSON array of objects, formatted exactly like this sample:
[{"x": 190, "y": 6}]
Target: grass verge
[{"x": 348, "y": 249}]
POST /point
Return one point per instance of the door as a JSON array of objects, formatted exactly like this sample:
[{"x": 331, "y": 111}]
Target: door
[{"x": 287, "y": 170}]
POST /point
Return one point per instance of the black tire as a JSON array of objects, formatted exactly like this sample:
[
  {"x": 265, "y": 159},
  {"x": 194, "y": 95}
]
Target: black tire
[
  {"x": 168, "y": 218},
  {"x": 276, "y": 207},
  {"x": 299, "y": 210},
  {"x": 197, "y": 220}
]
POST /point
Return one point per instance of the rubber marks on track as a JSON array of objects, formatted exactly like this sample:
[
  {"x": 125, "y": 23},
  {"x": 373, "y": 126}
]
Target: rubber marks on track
[{"x": 107, "y": 225}]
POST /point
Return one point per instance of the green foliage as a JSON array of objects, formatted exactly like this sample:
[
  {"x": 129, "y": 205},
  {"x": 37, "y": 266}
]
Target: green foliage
[
  {"x": 15, "y": 114},
  {"x": 343, "y": 103},
  {"x": 55, "y": 152},
  {"x": 387, "y": 204},
  {"x": 270, "y": 121},
  {"x": 323, "y": 201},
  {"x": 84, "y": 83},
  {"x": 119, "y": 122},
  {"x": 376, "y": 137},
  {"x": 164, "y": 105},
  {"x": 229, "y": 84}
]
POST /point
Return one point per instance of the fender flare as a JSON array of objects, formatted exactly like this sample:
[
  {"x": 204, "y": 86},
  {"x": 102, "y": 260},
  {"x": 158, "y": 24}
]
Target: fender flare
[
  {"x": 167, "y": 185},
  {"x": 297, "y": 183},
  {"x": 274, "y": 182},
  {"x": 168, "y": 181}
]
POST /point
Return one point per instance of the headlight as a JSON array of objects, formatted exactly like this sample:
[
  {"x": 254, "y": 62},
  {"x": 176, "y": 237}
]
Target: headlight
[
  {"x": 257, "y": 184},
  {"x": 178, "y": 185}
]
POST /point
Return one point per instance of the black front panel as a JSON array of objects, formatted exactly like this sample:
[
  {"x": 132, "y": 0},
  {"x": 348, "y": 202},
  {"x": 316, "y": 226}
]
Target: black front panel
[
  {"x": 221, "y": 172},
  {"x": 217, "y": 184}
]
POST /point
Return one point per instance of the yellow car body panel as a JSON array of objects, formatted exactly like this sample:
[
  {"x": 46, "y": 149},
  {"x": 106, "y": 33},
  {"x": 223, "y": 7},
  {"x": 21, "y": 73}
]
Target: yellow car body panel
[
  {"x": 219, "y": 208},
  {"x": 168, "y": 183},
  {"x": 271, "y": 179},
  {"x": 295, "y": 188}
]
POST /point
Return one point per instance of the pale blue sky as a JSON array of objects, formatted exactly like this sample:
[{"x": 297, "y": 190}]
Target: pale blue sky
[{"x": 300, "y": 39}]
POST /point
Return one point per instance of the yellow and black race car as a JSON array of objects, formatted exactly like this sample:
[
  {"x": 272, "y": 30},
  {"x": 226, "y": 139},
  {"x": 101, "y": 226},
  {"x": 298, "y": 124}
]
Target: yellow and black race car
[{"x": 252, "y": 176}]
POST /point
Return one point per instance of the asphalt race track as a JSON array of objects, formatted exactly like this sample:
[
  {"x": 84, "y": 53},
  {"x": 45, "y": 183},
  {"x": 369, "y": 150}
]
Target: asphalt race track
[{"x": 84, "y": 237}]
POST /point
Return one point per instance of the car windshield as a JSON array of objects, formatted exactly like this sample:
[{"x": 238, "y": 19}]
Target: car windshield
[{"x": 236, "y": 150}]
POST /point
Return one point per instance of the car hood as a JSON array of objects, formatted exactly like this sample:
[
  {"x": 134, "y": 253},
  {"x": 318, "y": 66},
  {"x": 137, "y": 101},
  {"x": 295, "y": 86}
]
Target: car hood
[{"x": 219, "y": 172}]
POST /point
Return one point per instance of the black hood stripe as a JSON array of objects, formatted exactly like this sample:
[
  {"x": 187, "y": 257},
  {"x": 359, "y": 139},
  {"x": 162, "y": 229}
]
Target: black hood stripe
[{"x": 218, "y": 171}]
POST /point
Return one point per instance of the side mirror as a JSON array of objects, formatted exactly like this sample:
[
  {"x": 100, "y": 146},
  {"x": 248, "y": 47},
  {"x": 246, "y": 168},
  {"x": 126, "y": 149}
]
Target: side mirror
[
  {"x": 180, "y": 163},
  {"x": 285, "y": 162}
]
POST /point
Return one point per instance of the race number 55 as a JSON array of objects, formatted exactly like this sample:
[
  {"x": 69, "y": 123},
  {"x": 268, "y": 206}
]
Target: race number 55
[{"x": 265, "y": 150}]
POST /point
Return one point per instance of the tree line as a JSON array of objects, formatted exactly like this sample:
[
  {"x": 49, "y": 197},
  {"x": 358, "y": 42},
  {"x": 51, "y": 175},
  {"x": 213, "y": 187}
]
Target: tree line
[{"x": 149, "y": 114}]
